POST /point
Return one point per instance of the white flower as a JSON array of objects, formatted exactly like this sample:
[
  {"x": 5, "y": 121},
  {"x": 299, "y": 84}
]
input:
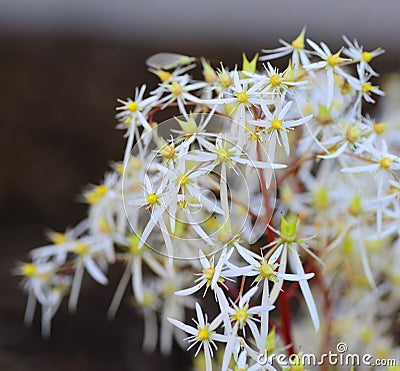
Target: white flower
[
  {"x": 277, "y": 126},
  {"x": 296, "y": 48},
  {"x": 203, "y": 334},
  {"x": 243, "y": 316},
  {"x": 134, "y": 114},
  {"x": 331, "y": 62},
  {"x": 179, "y": 90},
  {"x": 211, "y": 275},
  {"x": 356, "y": 52}
]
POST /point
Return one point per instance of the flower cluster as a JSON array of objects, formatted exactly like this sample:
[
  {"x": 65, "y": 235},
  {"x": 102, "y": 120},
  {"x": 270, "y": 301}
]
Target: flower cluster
[{"x": 262, "y": 183}]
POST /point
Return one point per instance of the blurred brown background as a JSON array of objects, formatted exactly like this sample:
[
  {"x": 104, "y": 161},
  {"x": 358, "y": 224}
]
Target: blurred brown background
[{"x": 62, "y": 66}]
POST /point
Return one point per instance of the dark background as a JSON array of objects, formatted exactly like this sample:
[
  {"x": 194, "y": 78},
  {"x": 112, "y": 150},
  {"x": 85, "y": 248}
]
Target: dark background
[{"x": 58, "y": 90}]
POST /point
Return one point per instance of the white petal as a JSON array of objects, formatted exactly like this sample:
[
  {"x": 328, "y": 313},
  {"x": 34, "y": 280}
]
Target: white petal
[{"x": 95, "y": 271}]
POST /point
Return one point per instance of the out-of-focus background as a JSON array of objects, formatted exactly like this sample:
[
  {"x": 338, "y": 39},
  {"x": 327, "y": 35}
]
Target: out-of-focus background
[{"x": 62, "y": 66}]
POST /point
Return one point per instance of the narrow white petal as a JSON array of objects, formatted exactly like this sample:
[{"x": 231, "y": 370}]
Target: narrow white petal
[{"x": 296, "y": 265}]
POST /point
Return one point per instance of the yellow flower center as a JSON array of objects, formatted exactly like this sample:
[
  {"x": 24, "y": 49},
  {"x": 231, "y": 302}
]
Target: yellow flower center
[
  {"x": 104, "y": 226},
  {"x": 275, "y": 80},
  {"x": 367, "y": 87},
  {"x": 352, "y": 134},
  {"x": 81, "y": 248},
  {"x": 152, "y": 198},
  {"x": 266, "y": 270},
  {"x": 386, "y": 162},
  {"x": 128, "y": 121},
  {"x": 298, "y": 43},
  {"x": 241, "y": 316},
  {"x": 29, "y": 270},
  {"x": 334, "y": 59},
  {"x": 223, "y": 154},
  {"x": 379, "y": 127},
  {"x": 168, "y": 151},
  {"x": 242, "y": 97},
  {"x": 58, "y": 238},
  {"x": 367, "y": 56},
  {"x": 208, "y": 273},
  {"x": 175, "y": 88},
  {"x": 276, "y": 124},
  {"x": 163, "y": 75},
  {"x": 183, "y": 180},
  {"x": 132, "y": 106},
  {"x": 203, "y": 334},
  {"x": 96, "y": 194}
]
